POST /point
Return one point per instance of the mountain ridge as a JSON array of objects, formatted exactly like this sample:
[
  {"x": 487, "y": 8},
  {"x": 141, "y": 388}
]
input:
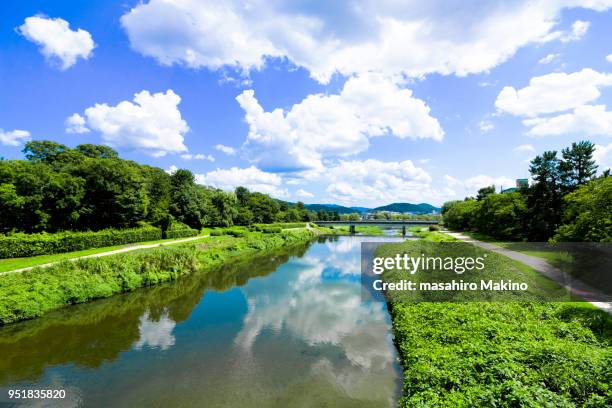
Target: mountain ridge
[{"x": 421, "y": 208}]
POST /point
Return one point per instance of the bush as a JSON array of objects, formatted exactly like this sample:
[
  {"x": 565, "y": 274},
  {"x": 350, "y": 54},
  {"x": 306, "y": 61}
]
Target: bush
[
  {"x": 180, "y": 230},
  {"x": 434, "y": 228},
  {"x": 281, "y": 225},
  {"x": 271, "y": 230},
  {"x": 24, "y": 245}
]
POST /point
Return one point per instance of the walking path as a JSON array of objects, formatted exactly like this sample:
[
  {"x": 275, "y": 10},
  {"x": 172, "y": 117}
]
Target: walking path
[
  {"x": 577, "y": 287},
  {"x": 113, "y": 252}
]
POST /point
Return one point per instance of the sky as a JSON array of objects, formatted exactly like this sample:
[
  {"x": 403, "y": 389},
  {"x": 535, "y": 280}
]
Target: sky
[{"x": 358, "y": 103}]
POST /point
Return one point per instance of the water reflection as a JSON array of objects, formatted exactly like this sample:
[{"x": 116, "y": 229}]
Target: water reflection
[
  {"x": 238, "y": 336},
  {"x": 155, "y": 333}
]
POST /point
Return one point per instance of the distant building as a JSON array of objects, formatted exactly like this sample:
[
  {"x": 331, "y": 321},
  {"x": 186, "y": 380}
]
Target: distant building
[{"x": 520, "y": 184}]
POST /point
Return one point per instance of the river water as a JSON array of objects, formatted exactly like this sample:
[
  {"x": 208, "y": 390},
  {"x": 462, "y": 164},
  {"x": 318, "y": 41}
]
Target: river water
[{"x": 284, "y": 330}]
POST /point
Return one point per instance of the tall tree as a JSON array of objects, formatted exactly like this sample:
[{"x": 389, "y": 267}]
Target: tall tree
[
  {"x": 544, "y": 198},
  {"x": 484, "y": 192},
  {"x": 577, "y": 166}
]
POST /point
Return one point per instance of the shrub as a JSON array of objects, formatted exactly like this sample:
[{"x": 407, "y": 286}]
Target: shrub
[
  {"x": 434, "y": 228},
  {"x": 180, "y": 230},
  {"x": 23, "y": 245},
  {"x": 271, "y": 230}
]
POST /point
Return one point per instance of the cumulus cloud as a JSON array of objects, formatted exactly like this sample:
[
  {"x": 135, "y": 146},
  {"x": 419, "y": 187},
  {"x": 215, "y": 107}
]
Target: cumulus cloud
[
  {"x": 199, "y": 156},
  {"x": 152, "y": 123},
  {"x": 603, "y": 156},
  {"x": 524, "y": 148},
  {"x": 395, "y": 38},
  {"x": 589, "y": 119},
  {"x": 76, "y": 124},
  {"x": 376, "y": 182},
  {"x": 336, "y": 125},
  {"x": 58, "y": 43},
  {"x": 230, "y": 151},
  {"x": 548, "y": 59},
  {"x": 13, "y": 137},
  {"x": 554, "y": 92},
  {"x": 609, "y": 58},
  {"x": 251, "y": 177}
]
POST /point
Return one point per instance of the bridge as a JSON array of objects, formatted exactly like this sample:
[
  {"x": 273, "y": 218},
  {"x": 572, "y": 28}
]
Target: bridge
[
  {"x": 398, "y": 223},
  {"x": 380, "y": 222}
]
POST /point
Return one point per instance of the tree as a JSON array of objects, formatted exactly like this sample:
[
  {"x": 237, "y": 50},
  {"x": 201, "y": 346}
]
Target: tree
[
  {"x": 588, "y": 215},
  {"x": 544, "y": 198},
  {"x": 577, "y": 166},
  {"x": 97, "y": 151},
  {"x": 502, "y": 216},
  {"x": 42, "y": 150},
  {"x": 484, "y": 192}
]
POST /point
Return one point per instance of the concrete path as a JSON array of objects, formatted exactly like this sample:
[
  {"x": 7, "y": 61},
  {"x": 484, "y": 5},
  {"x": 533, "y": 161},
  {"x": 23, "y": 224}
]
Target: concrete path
[
  {"x": 113, "y": 252},
  {"x": 577, "y": 287}
]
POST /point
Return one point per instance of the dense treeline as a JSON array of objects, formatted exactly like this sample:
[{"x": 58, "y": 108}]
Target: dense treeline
[
  {"x": 565, "y": 202},
  {"x": 91, "y": 188}
]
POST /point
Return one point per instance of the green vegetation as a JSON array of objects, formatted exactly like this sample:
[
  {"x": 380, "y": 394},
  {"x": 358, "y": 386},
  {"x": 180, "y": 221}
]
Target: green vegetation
[
  {"x": 567, "y": 202},
  {"x": 34, "y": 292},
  {"x": 18, "y": 263},
  {"x": 24, "y": 245},
  {"x": 89, "y": 188},
  {"x": 506, "y": 354}
]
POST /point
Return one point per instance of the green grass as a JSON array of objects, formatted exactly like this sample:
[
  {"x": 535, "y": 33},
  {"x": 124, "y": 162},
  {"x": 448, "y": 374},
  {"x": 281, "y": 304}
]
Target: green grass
[
  {"x": 32, "y": 293},
  {"x": 18, "y": 263},
  {"x": 500, "y": 354}
]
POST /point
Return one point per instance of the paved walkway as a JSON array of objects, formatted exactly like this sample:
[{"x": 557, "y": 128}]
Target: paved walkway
[
  {"x": 113, "y": 252},
  {"x": 577, "y": 287}
]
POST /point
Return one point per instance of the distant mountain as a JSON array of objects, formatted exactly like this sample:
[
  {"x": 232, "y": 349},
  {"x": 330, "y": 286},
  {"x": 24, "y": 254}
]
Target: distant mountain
[
  {"x": 333, "y": 207},
  {"x": 422, "y": 208}
]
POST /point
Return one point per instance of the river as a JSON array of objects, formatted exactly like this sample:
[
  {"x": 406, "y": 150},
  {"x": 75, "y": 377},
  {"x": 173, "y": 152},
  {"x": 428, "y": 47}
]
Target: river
[{"x": 284, "y": 330}]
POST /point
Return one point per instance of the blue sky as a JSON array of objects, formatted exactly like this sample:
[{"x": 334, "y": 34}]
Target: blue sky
[{"x": 358, "y": 103}]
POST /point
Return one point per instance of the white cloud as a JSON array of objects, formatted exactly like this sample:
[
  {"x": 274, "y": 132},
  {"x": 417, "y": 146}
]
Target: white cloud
[
  {"x": 524, "y": 148},
  {"x": 152, "y": 123},
  {"x": 226, "y": 149},
  {"x": 13, "y": 137},
  {"x": 199, "y": 156},
  {"x": 579, "y": 30},
  {"x": 485, "y": 126},
  {"x": 58, "y": 43},
  {"x": 76, "y": 124},
  {"x": 548, "y": 59},
  {"x": 603, "y": 156},
  {"x": 471, "y": 185},
  {"x": 251, "y": 177},
  {"x": 481, "y": 180},
  {"x": 376, "y": 182},
  {"x": 335, "y": 125},
  {"x": 609, "y": 58},
  {"x": 554, "y": 92},
  {"x": 172, "y": 169},
  {"x": 303, "y": 193},
  {"x": 156, "y": 333},
  {"x": 587, "y": 119},
  {"x": 391, "y": 37}
]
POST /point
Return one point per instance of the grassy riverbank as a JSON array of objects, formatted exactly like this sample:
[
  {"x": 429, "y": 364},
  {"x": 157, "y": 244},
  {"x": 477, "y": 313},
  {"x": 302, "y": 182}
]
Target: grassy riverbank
[
  {"x": 34, "y": 292},
  {"x": 503, "y": 354}
]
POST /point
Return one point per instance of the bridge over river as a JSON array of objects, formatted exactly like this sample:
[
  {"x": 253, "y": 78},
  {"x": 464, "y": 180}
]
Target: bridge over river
[{"x": 386, "y": 223}]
